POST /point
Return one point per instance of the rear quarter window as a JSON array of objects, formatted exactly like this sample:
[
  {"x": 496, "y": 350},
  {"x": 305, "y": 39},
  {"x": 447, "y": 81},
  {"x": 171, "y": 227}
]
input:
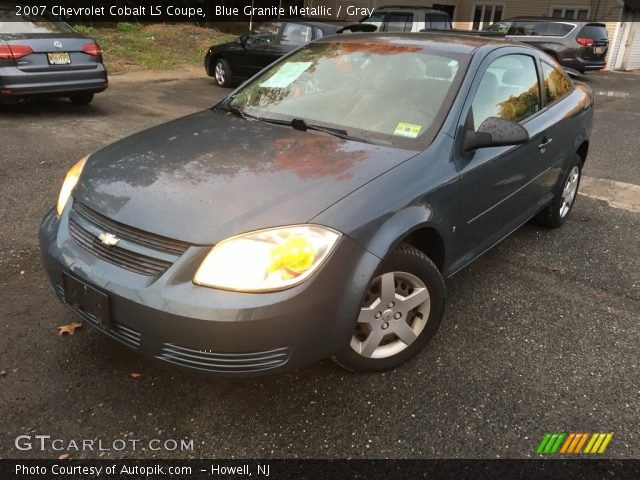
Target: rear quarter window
[
  {"x": 556, "y": 84},
  {"x": 555, "y": 29}
]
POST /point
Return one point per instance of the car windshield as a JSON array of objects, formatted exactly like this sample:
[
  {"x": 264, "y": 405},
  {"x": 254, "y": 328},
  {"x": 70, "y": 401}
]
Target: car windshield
[
  {"x": 30, "y": 24},
  {"x": 380, "y": 92}
]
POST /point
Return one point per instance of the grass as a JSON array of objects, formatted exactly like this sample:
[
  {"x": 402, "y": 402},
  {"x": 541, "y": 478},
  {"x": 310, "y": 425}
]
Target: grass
[{"x": 131, "y": 46}]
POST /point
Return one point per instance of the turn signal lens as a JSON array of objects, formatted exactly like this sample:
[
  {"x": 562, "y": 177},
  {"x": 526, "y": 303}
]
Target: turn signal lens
[
  {"x": 69, "y": 184},
  {"x": 267, "y": 260}
]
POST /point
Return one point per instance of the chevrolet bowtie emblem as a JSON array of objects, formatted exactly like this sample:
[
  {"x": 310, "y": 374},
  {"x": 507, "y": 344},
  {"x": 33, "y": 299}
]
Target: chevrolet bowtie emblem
[{"x": 108, "y": 239}]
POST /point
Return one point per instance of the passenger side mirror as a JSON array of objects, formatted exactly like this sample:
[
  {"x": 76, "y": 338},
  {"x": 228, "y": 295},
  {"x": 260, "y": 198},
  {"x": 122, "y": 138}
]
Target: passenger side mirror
[{"x": 495, "y": 132}]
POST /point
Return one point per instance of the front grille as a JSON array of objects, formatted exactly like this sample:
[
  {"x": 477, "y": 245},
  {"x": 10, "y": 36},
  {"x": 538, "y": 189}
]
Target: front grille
[
  {"x": 116, "y": 255},
  {"x": 118, "y": 331},
  {"x": 224, "y": 362},
  {"x": 160, "y": 252},
  {"x": 125, "y": 232}
]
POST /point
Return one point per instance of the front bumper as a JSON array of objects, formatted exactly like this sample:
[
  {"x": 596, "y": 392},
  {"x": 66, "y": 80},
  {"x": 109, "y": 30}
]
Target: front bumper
[{"x": 219, "y": 332}]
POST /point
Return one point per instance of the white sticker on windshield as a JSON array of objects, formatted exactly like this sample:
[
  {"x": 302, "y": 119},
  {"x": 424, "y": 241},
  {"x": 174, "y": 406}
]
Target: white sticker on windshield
[{"x": 286, "y": 74}]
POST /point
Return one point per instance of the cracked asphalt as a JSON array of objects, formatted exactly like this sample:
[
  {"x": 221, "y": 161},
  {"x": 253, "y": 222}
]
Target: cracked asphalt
[{"x": 541, "y": 334}]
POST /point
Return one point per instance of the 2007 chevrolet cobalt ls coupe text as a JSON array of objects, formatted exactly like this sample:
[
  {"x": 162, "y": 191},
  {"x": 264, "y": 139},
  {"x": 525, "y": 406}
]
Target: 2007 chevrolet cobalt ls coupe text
[{"x": 316, "y": 210}]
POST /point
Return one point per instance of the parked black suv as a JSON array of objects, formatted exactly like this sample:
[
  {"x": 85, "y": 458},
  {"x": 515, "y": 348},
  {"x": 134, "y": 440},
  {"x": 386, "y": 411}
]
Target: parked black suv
[{"x": 575, "y": 45}]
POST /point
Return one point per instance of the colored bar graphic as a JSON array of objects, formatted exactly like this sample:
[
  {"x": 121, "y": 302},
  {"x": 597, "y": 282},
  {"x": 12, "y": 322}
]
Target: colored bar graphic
[
  {"x": 543, "y": 443},
  {"x": 573, "y": 443},
  {"x": 605, "y": 442},
  {"x": 567, "y": 442},
  {"x": 590, "y": 444},
  {"x": 581, "y": 443}
]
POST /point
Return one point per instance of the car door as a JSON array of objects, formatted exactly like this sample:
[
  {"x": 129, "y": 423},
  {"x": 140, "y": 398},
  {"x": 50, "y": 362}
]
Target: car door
[{"x": 502, "y": 187}]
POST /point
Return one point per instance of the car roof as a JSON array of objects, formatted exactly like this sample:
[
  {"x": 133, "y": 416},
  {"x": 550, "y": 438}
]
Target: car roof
[{"x": 451, "y": 42}]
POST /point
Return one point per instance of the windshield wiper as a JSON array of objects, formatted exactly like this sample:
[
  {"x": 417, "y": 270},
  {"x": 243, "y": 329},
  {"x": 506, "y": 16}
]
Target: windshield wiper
[
  {"x": 300, "y": 124},
  {"x": 296, "y": 123},
  {"x": 303, "y": 126}
]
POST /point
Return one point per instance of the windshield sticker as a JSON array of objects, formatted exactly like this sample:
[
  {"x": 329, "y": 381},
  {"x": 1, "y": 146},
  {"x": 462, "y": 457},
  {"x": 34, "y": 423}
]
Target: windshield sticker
[
  {"x": 408, "y": 130},
  {"x": 286, "y": 75}
]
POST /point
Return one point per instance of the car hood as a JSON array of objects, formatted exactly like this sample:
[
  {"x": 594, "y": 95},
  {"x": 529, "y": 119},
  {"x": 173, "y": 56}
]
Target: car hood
[{"x": 211, "y": 175}]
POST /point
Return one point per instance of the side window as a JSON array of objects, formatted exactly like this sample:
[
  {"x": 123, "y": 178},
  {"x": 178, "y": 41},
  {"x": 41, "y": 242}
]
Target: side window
[
  {"x": 502, "y": 27},
  {"x": 398, "y": 22},
  {"x": 556, "y": 83},
  {"x": 296, "y": 34},
  {"x": 509, "y": 89},
  {"x": 439, "y": 22},
  {"x": 265, "y": 33}
]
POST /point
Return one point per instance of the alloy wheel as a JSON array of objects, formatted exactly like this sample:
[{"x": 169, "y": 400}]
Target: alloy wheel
[
  {"x": 220, "y": 73},
  {"x": 394, "y": 313},
  {"x": 570, "y": 190}
]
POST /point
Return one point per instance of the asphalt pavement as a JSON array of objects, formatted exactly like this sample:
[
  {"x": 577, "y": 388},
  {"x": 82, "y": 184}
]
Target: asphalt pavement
[{"x": 540, "y": 335}]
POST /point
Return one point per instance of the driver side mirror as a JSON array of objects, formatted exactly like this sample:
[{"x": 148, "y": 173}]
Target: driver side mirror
[{"x": 495, "y": 132}]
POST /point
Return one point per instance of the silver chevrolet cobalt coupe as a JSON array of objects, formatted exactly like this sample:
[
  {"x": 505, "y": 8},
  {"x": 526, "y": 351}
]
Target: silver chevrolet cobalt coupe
[{"x": 317, "y": 209}]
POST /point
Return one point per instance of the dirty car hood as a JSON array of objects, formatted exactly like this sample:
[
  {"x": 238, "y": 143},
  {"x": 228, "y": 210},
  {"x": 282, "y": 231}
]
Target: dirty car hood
[{"x": 211, "y": 175}]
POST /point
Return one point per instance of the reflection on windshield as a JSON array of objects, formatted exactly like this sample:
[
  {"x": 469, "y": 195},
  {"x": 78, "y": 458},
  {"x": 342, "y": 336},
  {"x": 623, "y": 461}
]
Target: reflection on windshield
[{"x": 389, "y": 92}]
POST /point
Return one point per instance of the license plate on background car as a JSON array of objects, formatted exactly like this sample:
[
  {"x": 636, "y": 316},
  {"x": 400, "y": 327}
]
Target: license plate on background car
[
  {"x": 598, "y": 50},
  {"x": 80, "y": 296},
  {"x": 59, "y": 58}
]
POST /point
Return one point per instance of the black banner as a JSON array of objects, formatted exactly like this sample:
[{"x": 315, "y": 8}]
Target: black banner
[
  {"x": 208, "y": 11},
  {"x": 318, "y": 469}
]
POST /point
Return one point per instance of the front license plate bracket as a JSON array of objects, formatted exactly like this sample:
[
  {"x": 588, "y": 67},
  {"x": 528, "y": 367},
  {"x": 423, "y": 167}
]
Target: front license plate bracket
[{"x": 80, "y": 296}]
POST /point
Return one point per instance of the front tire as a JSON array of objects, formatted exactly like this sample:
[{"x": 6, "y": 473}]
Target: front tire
[
  {"x": 81, "y": 98},
  {"x": 556, "y": 213},
  {"x": 222, "y": 73},
  {"x": 401, "y": 313}
]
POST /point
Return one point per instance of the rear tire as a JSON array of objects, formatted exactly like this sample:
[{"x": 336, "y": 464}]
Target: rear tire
[
  {"x": 556, "y": 213},
  {"x": 222, "y": 73},
  {"x": 396, "y": 322},
  {"x": 81, "y": 98}
]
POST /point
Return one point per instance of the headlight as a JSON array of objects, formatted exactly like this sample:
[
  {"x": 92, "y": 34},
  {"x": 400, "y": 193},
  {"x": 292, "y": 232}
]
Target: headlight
[
  {"x": 267, "y": 260},
  {"x": 69, "y": 184}
]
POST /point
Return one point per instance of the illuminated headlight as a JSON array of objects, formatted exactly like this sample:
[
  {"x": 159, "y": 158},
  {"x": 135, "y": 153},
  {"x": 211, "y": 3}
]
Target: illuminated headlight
[
  {"x": 267, "y": 260},
  {"x": 69, "y": 184}
]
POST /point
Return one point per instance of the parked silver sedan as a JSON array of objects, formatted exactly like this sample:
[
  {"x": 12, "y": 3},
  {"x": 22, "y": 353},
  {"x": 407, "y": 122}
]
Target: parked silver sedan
[{"x": 41, "y": 56}]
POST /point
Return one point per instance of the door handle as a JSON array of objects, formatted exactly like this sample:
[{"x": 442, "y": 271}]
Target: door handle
[{"x": 545, "y": 143}]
